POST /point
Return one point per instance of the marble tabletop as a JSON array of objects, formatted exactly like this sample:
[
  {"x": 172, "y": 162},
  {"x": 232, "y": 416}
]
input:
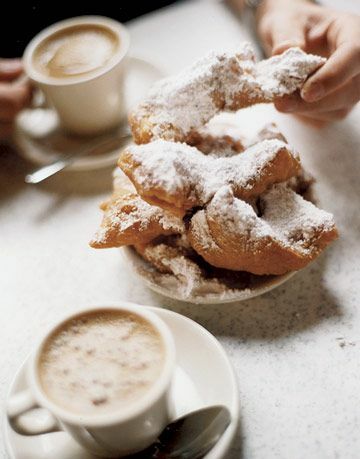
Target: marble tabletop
[{"x": 296, "y": 350}]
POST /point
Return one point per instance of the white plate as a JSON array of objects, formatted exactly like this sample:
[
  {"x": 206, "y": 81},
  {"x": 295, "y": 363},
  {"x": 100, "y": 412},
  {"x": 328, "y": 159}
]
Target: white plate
[
  {"x": 39, "y": 138},
  {"x": 171, "y": 287},
  {"x": 204, "y": 376}
]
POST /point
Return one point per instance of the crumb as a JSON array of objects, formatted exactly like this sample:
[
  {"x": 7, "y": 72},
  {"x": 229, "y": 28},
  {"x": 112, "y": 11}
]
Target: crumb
[{"x": 342, "y": 342}]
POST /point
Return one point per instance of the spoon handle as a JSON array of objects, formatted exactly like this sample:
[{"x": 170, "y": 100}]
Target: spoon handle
[
  {"x": 189, "y": 437},
  {"x": 47, "y": 171},
  {"x": 58, "y": 165}
]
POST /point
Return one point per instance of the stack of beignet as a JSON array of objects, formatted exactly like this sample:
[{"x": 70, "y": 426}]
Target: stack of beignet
[{"x": 239, "y": 204}]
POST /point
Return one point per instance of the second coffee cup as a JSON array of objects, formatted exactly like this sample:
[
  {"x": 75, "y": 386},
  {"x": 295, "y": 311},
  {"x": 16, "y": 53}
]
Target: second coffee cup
[{"x": 104, "y": 375}]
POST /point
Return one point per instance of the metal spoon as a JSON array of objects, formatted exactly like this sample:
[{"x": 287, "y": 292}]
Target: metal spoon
[
  {"x": 44, "y": 172},
  {"x": 189, "y": 437}
]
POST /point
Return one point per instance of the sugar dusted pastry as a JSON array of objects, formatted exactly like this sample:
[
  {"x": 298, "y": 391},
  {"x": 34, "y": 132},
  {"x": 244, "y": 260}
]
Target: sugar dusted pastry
[
  {"x": 217, "y": 145},
  {"x": 178, "y": 106},
  {"x": 178, "y": 177},
  {"x": 268, "y": 132},
  {"x": 288, "y": 233},
  {"x": 245, "y": 213},
  {"x": 219, "y": 139},
  {"x": 176, "y": 262},
  {"x": 130, "y": 220},
  {"x": 169, "y": 255}
]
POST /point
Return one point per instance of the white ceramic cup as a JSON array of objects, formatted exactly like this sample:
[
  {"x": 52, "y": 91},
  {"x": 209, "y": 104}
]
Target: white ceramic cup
[
  {"x": 86, "y": 104},
  {"x": 110, "y": 435}
]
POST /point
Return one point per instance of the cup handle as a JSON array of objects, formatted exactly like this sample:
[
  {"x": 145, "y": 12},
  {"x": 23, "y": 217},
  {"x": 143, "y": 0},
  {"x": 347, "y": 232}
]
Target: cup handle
[
  {"x": 20, "y": 404},
  {"x": 23, "y": 402},
  {"x": 38, "y": 99}
]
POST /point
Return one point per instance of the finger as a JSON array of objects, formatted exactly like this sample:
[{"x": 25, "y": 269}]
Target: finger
[
  {"x": 287, "y": 32},
  {"x": 12, "y": 99},
  {"x": 318, "y": 32},
  {"x": 341, "y": 98},
  {"x": 6, "y": 130},
  {"x": 342, "y": 65},
  {"x": 316, "y": 39},
  {"x": 280, "y": 32},
  {"x": 237, "y": 5},
  {"x": 312, "y": 122},
  {"x": 10, "y": 69},
  {"x": 335, "y": 115}
]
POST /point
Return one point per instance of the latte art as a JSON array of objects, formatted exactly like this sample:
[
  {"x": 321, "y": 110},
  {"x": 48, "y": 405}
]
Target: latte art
[
  {"x": 77, "y": 50},
  {"x": 101, "y": 362}
]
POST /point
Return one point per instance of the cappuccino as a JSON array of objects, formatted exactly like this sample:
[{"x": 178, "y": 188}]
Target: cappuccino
[
  {"x": 101, "y": 362},
  {"x": 78, "y": 50}
]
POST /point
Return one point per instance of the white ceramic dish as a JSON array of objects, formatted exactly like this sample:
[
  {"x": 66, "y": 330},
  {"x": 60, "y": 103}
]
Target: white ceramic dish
[
  {"x": 199, "y": 381},
  {"x": 39, "y": 138},
  {"x": 171, "y": 287}
]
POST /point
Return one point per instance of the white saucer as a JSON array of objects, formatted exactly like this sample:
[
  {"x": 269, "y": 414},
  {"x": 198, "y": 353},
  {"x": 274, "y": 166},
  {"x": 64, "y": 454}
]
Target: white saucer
[
  {"x": 202, "y": 378},
  {"x": 175, "y": 288},
  {"x": 39, "y": 138}
]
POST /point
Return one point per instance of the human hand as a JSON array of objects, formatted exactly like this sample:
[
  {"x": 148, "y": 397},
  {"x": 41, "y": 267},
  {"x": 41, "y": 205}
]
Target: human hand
[
  {"x": 13, "y": 95},
  {"x": 333, "y": 90}
]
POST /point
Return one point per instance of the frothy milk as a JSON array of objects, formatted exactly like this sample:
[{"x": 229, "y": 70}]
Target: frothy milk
[
  {"x": 101, "y": 362},
  {"x": 77, "y": 50}
]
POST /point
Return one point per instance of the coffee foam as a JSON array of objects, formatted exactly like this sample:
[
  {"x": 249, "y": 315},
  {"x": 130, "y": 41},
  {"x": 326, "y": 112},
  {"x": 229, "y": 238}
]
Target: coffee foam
[
  {"x": 101, "y": 362},
  {"x": 76, "y": 50}
]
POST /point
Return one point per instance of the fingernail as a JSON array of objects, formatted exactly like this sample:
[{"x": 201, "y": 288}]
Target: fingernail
[{"x": 313, "y": 92}]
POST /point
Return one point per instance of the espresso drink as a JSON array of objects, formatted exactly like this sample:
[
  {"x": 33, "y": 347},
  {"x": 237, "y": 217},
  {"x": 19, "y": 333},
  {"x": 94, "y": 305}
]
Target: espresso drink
[
  {"x": 101, "y": 362},
  {"x": 75, "y": 51}
]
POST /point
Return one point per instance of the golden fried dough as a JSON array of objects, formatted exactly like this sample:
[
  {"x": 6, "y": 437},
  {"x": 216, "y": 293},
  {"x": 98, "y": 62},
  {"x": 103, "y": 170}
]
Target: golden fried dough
[
  {"x": 283, "y": 233},
  {"x": 179, "y": 105},
  {"x": 130, "y": 220},
  {"x": 178, "y": 177}
]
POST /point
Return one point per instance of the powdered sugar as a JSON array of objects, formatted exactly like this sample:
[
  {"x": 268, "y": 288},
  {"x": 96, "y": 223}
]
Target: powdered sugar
[
  {"x": 125, "y": 212},
  {"x": 237, "y": 215},
  {"x": 181, "y": 170},
  {"x": 121, "y": 181},
  {"x": 286, "y": 73},
  {"x": 293, "y": 219},
  {"x": 187, "y": 100},
  {"x": 201, "y": 231},
  {"x": 186, "y": 280},
  {"x": 223, "y": 138},
  {"x": 130, "y": 214},
  {"x": 180, "y": 274},
  {"x": 287, "y": 218},
  {"x": 172, "y": 260},
  {"x": 222, "y": 81}
]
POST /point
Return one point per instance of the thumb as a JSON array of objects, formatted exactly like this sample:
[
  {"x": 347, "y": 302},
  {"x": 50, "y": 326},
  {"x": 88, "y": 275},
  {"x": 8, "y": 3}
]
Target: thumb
[
  {"x": 10, "y": 69},
  {"x": 287, "y": 32}
]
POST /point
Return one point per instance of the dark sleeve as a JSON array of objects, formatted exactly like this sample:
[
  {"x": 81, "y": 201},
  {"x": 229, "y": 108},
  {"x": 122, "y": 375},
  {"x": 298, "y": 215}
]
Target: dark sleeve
[{"x": 26, "y": 19}]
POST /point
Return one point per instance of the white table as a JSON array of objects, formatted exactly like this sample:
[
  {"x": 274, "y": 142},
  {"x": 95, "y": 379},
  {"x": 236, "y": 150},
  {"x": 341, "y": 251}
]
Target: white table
[{"x": 296, "y": 350}]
